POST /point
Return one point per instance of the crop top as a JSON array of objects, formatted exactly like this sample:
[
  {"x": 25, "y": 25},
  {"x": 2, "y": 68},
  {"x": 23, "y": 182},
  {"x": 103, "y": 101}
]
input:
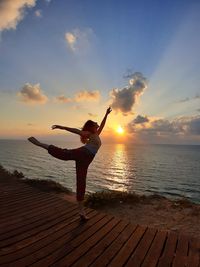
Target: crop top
[{"x": 93, "y": 144}]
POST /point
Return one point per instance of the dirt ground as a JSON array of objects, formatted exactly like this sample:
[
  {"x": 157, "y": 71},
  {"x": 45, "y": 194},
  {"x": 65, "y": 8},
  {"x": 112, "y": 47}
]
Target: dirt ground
[{"x": 160, "y": 213}]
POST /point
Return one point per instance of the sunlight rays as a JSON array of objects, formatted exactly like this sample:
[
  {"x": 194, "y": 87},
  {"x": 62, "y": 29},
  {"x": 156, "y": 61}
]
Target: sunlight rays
[{"x": 176, "y": 76}]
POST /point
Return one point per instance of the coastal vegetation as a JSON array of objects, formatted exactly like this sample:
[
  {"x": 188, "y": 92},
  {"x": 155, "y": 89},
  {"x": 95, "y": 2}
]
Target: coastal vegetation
[
  {"x": 93, "y": 200},
  {"x": 42, "y": 184}
]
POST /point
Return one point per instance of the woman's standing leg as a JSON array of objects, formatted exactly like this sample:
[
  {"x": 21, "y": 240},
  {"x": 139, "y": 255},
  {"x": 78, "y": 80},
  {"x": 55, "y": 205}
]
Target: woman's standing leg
[{"x": 81, "y": 173}]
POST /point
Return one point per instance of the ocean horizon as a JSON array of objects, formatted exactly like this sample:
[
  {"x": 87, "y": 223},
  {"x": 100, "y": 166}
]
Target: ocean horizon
[{"x": 169, "y": 170}]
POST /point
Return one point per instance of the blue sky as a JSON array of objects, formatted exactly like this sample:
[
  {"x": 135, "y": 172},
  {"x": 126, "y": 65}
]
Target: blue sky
[{"x": 82, "y": 51}]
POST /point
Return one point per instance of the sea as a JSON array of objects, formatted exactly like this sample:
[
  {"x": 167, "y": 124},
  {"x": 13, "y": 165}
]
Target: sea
[{"x": 172, "y": 171}]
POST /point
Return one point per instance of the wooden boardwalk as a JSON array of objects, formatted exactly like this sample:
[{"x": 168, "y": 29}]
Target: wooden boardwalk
[{"x": 40, "y": 229}]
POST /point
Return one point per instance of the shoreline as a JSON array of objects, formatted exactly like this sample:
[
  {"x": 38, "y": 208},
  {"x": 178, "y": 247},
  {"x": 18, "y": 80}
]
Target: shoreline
[{"x": 156, "y": 211}]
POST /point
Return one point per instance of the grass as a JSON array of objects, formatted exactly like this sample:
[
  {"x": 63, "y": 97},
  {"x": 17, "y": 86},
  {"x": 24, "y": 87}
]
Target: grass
[
  {"x": 102, "y": 198},
  {"x": 46, "y": 185}
]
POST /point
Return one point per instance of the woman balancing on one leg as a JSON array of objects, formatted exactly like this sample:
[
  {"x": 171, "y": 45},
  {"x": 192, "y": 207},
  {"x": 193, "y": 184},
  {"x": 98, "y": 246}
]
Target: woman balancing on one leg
[{"x": 83, "y": 156}]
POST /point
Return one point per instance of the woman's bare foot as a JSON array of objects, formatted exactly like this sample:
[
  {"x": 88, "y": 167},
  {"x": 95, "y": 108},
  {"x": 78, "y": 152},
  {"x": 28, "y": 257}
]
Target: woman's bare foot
[
  {"x": 34, "y": 141},
  {"x": 83, "y": 217}
]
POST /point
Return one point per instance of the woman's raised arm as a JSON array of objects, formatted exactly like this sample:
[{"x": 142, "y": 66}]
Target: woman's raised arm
[{"x": 104, "y": 121}]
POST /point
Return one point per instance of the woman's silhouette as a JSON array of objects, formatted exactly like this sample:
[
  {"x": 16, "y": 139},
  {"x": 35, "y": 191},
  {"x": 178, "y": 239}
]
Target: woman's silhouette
[{"x": 83, "y": 155}]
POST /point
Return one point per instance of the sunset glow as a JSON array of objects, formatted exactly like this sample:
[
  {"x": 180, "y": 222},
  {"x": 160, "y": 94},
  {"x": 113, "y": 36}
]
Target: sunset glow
[
  {"x": 80, "y": 65},
  {"x": 120, "y": 130}
]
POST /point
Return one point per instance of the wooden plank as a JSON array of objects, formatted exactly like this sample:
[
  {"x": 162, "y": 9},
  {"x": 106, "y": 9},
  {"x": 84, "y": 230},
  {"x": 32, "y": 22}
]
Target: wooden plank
[
  {"x": 15, "y": 194},
  {"x": 79, "y": 251},
  {"x": 123, "y": 255},
  {"x": 26, "y": 212},
  {"x": 22, "y": 199},
  {"x": 96, "y": 250},
  {"x": 137, "y": 258},
  {"x": 40, "y": 213},
  {"x": 22, "y": 206},
  {"x": 180, "y": 257},
  {"x": 15, "y": 207},
  {"x": 169, "y": 251},
  {"x": 113, "y": 249},
  {"x": 62, "y": 244},
  {"x": 78, "y": 240},
  {"x": 5, "y": 195},
  {"x": 23, "y": 218},
  {"x": 37, "y": 221},
  {"x": 32, "y": 233},
  {"x": 16, "y": 188},
  {"x": 43, "y": 242},
  {"x": 154, "y": 253},
  {"x": 194, "y": 253},
  {"x": 26, "y": 238},
  {"x": 13, "y": 188}
]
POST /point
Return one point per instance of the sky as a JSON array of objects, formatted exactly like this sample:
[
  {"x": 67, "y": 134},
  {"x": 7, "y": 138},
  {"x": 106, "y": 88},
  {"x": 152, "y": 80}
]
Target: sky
[{"x": 65, "y": 61}]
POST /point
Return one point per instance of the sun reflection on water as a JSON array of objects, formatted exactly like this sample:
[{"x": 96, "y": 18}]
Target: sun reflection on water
[{"x": 119, "y": 169}]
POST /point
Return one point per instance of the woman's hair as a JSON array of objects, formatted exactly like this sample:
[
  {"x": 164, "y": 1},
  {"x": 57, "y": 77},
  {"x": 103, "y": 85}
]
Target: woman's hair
[{"x": 88, "y": 126}]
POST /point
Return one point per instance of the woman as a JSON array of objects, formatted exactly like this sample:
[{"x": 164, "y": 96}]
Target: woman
[{"x": 83, "y": 156}]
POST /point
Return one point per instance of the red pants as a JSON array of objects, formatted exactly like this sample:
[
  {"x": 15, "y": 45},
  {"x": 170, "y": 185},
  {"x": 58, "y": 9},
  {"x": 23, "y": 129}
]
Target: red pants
[{"x": 82, "y": 157}]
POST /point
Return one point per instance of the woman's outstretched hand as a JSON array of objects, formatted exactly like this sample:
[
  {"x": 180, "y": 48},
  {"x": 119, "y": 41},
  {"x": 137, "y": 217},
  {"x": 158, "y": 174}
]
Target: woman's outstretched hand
[
  {"x": 55, "y": 127},
  {"x": 108, "y": 111}
]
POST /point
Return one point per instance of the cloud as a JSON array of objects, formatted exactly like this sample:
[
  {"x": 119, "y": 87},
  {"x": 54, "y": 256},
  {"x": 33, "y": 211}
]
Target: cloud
[
  {"x": 198, "y": 109},
  {"x": 71, "y": 40},
  {"x": 140, "y": 119},
  {"x": 182, "y": 126},
  {"x": 194, "y": 126},
  {"x": 63, "y": 99},
  {"x": 184, "y": 100},
  {"x": 32, "y": 94},
  {"x": 81, "y": 96},
  {"x": 38, "y": 13},
  {"x": 12, "y": 12},
  {"x": 87, "y": 96},
  {"x": 124, "y": 99},
  {"x": 197, "y": 96},
  {"x": 92, "y": 115},
  {"x": 78, "y": 40},
  {"x": 187, "y": 99}
]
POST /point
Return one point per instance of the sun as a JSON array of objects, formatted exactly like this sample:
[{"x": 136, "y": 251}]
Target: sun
[{"x": 120, "y": 130}]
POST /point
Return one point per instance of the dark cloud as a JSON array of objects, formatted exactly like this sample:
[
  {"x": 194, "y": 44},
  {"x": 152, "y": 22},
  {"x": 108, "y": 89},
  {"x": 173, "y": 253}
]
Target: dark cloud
[
  {"x": 184, "y": 100},
  {"x": 156, "y": 126},
  {"x": 124, "y": 99},
  {"x": 197, "y": 96},
  {"x": 187, "y": 99},
  {"x": 178, "y": 127},
  {"x": 194, "y": 126},
  {"x": 140, "y": 119}
]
